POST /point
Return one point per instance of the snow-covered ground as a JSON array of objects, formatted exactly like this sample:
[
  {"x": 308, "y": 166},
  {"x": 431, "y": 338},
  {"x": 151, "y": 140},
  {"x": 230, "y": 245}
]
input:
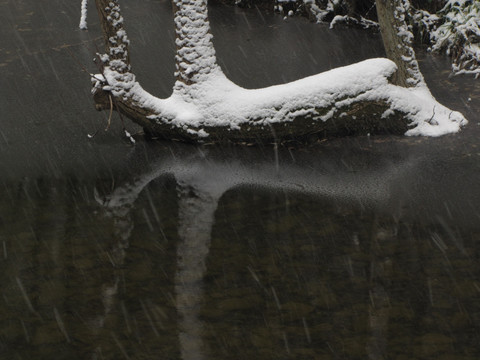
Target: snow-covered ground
[{"x": 459, "y": 35}]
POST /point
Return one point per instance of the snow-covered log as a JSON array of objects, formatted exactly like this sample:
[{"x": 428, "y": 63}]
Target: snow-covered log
[{"x": 206, "y": 106}]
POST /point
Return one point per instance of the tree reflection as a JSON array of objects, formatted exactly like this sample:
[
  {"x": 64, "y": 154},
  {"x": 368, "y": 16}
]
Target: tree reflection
[
  {"x": 201, "y": 258},
  {"x": 200, "y": 185}
]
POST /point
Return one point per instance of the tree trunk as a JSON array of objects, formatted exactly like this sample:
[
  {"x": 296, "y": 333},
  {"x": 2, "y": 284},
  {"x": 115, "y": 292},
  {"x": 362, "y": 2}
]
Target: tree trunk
[
  {"x": 195, "y": 59},
  {"x": 397, "y": 40},
  {"x": 203, "y": 107},
  {"x": 114, "y": 35}
]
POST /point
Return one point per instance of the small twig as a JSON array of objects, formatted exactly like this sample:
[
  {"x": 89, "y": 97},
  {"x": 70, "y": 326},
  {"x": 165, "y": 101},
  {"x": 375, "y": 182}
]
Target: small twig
[
  {"x": 98, "y": 61},
  {"x": 100, "y": 68},
  {"x": 111, "y": 112},
  {"x": 430, "y": 121},
  {"x": 119, "y": 114},
  {"x": 80, "y": 64},
  {"x": 113, "y": 101},
  {"x": 91, "y": 136},
  {"x": 77, "y": 61}
]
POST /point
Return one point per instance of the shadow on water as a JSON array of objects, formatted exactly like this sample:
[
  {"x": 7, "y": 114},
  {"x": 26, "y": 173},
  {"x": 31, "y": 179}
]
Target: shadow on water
[{"x": 356, "y": 248}]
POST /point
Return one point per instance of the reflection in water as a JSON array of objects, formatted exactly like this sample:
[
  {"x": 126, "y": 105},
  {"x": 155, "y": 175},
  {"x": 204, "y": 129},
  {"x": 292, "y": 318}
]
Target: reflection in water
[
  {"x": 199, "y": 191},
  {"x": 371, "y": 264},
  {"x": 196, "y": 217},
  {"x": 200, "y": 258},
  {"x": 363, "y": 248},
  {"x": 379, "y": 300}
]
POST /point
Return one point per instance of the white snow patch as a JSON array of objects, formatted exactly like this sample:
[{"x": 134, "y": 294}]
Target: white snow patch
[
  {"x": 83, "y": 17},
  {"x": 219, "y": 102},
  {"x": 337, "y": 19},
  {"x": 387, "y": 113},
  {"x": 129, "y": 136}
]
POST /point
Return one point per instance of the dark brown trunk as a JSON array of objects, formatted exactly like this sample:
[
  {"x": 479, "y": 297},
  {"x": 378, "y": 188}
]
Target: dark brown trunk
[
  {"x": 112, "y": 22},
  {"x": 397, "y": 39}
]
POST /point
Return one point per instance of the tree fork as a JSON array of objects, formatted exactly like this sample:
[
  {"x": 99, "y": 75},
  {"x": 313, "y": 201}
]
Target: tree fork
[{"x": 351, "y": 112}]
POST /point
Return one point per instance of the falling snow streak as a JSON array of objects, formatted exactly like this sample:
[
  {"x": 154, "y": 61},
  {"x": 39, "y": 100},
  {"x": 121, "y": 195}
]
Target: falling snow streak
[{"x": 61, "y": 324}]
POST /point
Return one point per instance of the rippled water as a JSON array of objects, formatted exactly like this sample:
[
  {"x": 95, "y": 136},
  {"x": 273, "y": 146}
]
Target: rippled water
[{"x": 356, "y": 248}]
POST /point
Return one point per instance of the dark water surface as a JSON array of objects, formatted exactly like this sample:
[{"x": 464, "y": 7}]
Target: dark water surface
[{"x": 355, "y": 248}]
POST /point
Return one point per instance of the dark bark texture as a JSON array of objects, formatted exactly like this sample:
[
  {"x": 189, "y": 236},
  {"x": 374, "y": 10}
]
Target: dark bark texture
[{"x": 397, "y": 40}]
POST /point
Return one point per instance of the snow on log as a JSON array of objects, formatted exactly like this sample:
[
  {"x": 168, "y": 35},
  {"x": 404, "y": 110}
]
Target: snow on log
[
  {"x": 206, "y": 106},
  {"x": 83, "y": 17}
]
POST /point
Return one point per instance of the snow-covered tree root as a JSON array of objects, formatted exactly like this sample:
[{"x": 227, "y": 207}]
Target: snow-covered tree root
[
  {"x": 329, "y": 103},
  {"x": 206, "y": 106}
]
